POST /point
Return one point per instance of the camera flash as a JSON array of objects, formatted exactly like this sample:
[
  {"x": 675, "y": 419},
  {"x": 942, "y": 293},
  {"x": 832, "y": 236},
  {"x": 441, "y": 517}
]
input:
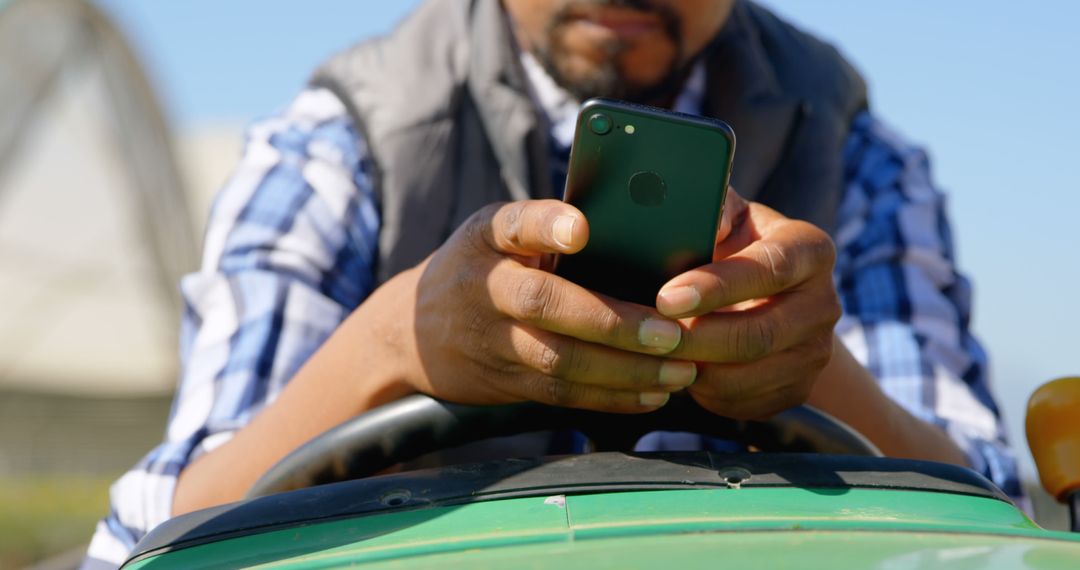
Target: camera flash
[{"x": 629, "y": 129}]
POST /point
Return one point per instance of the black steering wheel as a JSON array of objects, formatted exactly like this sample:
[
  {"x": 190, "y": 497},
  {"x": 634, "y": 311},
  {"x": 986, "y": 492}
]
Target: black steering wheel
[{"x": 417, "y": 425}]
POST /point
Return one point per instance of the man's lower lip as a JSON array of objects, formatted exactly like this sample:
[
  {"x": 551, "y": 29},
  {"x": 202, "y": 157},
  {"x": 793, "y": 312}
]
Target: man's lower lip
[{"x": 621, "y": 29}]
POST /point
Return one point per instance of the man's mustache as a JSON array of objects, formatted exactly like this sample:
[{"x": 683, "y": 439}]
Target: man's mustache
[
  {"x": 643, "y": 5},
  {"x": 571, "y": 7}
]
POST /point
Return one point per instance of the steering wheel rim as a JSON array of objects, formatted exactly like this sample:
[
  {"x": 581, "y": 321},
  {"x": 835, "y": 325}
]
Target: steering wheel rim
[{"x": 419, "y": 424}]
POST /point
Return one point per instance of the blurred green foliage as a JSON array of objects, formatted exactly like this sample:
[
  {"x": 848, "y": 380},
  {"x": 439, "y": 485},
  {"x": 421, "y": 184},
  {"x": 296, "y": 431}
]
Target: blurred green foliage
[{"x": 42, "y": 516}]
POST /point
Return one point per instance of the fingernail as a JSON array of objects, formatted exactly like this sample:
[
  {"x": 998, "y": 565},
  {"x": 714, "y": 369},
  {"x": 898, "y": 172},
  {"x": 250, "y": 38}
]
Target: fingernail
[
  {"x": 660, "y": 333},
  {"x": 678, "y": 300},
  {"x": 677, "y": 373},
  {"x": 653, "y": 399},
  {"x": 562, "y": 229}
]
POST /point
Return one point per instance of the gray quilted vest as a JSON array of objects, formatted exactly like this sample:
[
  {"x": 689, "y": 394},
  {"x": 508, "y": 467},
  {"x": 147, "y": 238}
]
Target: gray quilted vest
[{"x": 444, "y": 106}]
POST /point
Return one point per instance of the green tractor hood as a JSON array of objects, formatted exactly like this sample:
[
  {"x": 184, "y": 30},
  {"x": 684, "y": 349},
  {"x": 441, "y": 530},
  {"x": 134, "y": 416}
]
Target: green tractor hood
[{"x": 611, "y": 510}]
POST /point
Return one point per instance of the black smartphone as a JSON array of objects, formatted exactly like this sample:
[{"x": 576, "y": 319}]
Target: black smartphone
[{"x": 651, "y": 184}]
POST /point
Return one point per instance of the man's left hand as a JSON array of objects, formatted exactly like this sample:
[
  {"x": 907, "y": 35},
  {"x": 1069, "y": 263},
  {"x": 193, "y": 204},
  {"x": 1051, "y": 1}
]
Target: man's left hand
[{"x": 759, "y": 319}]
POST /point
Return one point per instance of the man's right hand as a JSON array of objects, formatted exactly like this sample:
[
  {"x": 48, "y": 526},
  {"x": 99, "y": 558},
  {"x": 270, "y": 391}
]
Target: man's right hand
[{"x": 489, "y": 326}]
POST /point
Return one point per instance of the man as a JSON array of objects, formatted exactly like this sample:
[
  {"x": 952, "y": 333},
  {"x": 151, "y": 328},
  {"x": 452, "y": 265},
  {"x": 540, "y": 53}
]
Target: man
[{"x": 381, "y": 237}]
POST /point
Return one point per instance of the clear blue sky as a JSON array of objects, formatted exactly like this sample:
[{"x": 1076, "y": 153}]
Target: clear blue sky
[{"x": 991, "y": 88}]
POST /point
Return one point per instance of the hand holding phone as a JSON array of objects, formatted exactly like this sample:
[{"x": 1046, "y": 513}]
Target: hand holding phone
[
  {"x": 651, "y": 184},
  {"x": 757, "y": 321}
]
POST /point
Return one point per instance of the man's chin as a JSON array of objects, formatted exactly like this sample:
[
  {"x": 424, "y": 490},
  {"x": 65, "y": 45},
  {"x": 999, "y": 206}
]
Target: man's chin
[
  {"x": 611, "y": 83},
  {"x": 627, "y": 50},
  {"x": 628, "y": 72}
]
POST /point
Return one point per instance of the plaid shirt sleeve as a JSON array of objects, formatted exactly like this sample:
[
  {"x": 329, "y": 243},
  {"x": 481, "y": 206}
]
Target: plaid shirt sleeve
[
  {"x": 906, "y": 309},
  {"x": 288, "y": 254}
]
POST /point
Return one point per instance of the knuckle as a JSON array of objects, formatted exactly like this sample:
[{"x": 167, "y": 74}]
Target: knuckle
[
  {"x": 645, "y": 374},
  {"x": 703, "y": 389},
  {"x": 635, "y": 373},
  {"x": 755, "y": 338},
  {"x": 548, "y": 359},
  {"x": 533, "y": 298},
  {"x": 781, "y": 266},
  {"x": 510, "y": 369},
  {"x": 728, "y": 388},
  {"x": 819, "y": 245},
  {"x": 476, "y": 324},
  {"x": 766, "y": 333},
  {"x": 608, "y": 325},
  {"x": 511, "y": 228},
  {"x": 478, "y": 328},
  {"x": 564, "y": 359},
  {"x": 575, "y": 360},
  {"x": 825, "y": 248},
  {"x": 615, "y": 401},
  {"x": 714, "y": 387},
  {"x": 557, "y": 392},
  {"x": 472, "y": 235},
  {"x": 476, "y": 228},
  {"x": 832, "y": 309},
  {"x": 462, "y": 282}
]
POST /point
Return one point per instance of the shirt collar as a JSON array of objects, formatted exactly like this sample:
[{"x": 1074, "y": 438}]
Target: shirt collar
[{"x": 559, "y": 108}]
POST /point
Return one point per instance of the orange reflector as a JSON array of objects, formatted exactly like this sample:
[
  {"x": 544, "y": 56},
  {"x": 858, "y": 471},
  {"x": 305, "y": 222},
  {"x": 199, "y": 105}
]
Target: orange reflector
[{"x": 1053, "y": 433}]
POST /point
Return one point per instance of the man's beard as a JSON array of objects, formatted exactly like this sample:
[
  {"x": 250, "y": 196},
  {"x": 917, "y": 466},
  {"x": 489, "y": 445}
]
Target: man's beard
[{"x": 608, "y": 80}]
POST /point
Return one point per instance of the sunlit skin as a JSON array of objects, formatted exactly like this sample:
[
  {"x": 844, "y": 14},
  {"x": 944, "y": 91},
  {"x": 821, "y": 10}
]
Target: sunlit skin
[{"x": 477, "y": 322}]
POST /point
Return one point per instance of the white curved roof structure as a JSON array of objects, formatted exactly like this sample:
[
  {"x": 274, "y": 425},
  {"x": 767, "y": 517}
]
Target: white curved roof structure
[{"x": 95, "y": 228}]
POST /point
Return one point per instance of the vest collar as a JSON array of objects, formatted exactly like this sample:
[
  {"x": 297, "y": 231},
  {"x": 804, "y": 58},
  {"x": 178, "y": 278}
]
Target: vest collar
[
  {"x": 497, "y": 83},
  {"x": 743, "y": 91}
]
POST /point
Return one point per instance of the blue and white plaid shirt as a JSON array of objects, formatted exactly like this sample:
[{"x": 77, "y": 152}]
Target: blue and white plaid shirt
[{"x": 292, "y": 238}]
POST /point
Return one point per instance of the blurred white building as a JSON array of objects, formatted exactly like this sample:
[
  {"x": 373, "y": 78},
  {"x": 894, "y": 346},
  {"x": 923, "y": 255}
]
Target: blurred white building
[{"x": 100, "y": 207}]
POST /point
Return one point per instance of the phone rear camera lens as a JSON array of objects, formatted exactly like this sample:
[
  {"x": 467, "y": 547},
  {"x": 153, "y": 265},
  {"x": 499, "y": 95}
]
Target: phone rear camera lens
[
  {"x": 600, "y": 124},
  {"x": 647, "y": 189}
]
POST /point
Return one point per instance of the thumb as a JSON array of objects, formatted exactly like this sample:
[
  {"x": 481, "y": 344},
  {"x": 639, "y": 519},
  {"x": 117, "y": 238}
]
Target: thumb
[{"x": 735, "y": 208}]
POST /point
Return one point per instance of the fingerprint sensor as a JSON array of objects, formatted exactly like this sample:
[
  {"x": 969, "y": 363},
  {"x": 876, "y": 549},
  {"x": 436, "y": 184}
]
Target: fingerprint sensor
[{"x": 647, "y": 189}]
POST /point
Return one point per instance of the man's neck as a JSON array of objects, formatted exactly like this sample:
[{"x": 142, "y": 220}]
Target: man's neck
[{"x": 559, "y": 108}]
